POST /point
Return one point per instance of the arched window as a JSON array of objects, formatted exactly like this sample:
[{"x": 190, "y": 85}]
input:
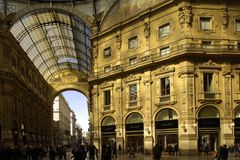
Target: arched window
[
  {"x": 108, "y": 121},
  {"x": 208, "y": 112},
  {"x": 237, "y": 113},
  {"x": 134, "y": 118},
  {"x": 166, "y": 114}
]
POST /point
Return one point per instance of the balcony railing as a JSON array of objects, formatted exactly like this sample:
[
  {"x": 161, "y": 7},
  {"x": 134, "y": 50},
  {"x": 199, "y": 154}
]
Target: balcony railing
[
  {"x": 152, "y": 56},
  {"x": 134, "y": 104},
  {"x": 209, "y": 96},
  {"x": 166, "y": 99}
]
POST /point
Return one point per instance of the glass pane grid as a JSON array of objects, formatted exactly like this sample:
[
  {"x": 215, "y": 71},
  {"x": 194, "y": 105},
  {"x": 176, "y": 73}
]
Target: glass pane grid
[{"x": 40, "y": 30}]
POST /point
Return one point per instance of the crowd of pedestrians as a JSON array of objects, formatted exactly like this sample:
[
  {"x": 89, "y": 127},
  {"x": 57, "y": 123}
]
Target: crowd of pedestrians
[{"x": 27, "y": 152}]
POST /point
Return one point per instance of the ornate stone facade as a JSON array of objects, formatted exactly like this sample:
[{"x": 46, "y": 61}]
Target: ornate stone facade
[
  {"x": 197, "y": 65},
  {"x": 25, "y": 108}
]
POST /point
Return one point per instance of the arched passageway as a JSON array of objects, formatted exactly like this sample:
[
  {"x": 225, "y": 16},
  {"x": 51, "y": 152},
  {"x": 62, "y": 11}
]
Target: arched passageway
[
  {"x": 108, "y": 128},
  {"x": 134, "y": 131},
  {"x": 208, "y": 128},
  {"x": 166, "y": 125}
]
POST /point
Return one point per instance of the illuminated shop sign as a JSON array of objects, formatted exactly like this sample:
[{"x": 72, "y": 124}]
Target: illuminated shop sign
[{"x": 166, "y": 124}]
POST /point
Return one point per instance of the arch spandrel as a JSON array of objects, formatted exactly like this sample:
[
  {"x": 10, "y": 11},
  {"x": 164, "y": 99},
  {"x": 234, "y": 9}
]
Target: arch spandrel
[{"x": 126, "y": 9}]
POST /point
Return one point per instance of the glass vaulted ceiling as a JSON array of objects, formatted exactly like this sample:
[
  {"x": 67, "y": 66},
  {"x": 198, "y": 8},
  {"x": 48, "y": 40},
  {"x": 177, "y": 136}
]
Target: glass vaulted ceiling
[{"x": 54, "y": 40}]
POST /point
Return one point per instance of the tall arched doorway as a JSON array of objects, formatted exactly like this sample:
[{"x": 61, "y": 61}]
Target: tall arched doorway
[
  {"x": 237, "y": 126},
  {"x": 208, "y": 128},
  {"x": 108, "y": 131},
  {"x": 134, "y": 130},
  {"x": 166, "y": 125}
]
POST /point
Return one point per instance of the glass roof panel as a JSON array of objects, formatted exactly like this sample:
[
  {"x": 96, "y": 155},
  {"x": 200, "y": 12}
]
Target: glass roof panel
[{"x": 54, "y": 40}]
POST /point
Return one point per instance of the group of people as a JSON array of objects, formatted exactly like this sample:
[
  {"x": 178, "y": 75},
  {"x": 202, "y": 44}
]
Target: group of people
[
  {"x": 22, "y": 153},
  {"x": 109, "y": 151}
]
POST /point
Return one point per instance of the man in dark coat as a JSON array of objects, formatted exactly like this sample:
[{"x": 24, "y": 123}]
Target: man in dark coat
[{"x": 157, "y": 152}]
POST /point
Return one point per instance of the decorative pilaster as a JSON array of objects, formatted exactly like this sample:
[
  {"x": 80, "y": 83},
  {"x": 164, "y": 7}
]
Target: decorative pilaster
[
  {"x": 187, "y": 125},
  {"x": 227, "y": 127},
  {"x": 119, "y": 126},
  {"x": 148, "y": 130}
]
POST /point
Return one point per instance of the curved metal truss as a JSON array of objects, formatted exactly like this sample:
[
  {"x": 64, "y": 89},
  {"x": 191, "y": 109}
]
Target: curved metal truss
[{"x": 54, "y": 40}]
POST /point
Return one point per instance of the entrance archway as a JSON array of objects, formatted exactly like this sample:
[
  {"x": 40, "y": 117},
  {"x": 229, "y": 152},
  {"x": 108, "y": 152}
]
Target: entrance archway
[
  {"x": 108, "y": 128},
  {"x": 166, "y": 124},
  {"x": 208, "y": 128},
  {"x": 134, "y": 131},
  {"x": 70, "y": 118}
]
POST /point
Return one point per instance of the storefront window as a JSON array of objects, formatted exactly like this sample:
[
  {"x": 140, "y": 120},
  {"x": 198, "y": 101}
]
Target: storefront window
[
  {"x": 108, "y": 121},
  {"x": 166, "y": 114},
  {"x": 208, "y": 112},
  {"x": 134, "y": 118}
]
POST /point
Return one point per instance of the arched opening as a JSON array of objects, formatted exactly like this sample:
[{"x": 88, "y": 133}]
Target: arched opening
[
  {"x": 208, "y": 129},
  {"x": 70, "y": 119},
  {"x": 237, "y": 125},
  {"x": 108, "y": 128},
  {"x": 134, "y": 131},
  {"x": 166, "y": 125}
]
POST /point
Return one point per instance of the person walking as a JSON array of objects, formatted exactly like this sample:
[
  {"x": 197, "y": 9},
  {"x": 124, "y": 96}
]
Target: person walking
[
  {"x": 52, "y": 153},
  {"x": 132, "y": 152},
  {"x": 157, "y": 152},
  {"x": 206, "y": 150},
  {"x": 224, "y": 153}
]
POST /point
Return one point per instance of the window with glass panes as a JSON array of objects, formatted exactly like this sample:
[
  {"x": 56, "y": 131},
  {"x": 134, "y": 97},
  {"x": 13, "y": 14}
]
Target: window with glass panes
[
  {"x": 238, "y": 25},
  {"x": 164, "y": 51},
  {"x": 107, "y": 99},
  {"x": 205, "y": 23},
  {"x": 107, "y": 52},
  {"x": 132, "y": 61},
  {"x": 208, "y": 78},
  {"x": 132, "y": 42},
  {"x": 206, "y": 44},
  {"x": 107, "y": 69},
  {"x": 164, "y": 30},
  {"x": 165, "y": 86},
  {"x": 133, "y": 92}
]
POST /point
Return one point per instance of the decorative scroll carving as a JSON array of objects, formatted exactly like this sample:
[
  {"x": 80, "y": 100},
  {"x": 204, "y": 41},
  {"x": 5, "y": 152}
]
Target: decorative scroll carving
[
  {"x": 119, "y": 39},
  {"x": 147, "y": 27},
  {"x": 185, "y": 16},
  {"x": 132, "y": 78},
  {"x": 165, "y": 69},
  {"x": 225, "y": 18}
]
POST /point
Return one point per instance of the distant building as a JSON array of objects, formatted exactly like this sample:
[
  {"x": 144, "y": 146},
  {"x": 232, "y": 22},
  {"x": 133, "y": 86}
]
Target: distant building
[
  {"x": 79, "y": 134},
  {"x": 61, "y": 121},
  {"x": 73, "y": 127}
]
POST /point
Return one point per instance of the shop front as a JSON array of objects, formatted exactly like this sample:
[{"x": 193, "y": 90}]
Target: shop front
[
  {"x": 108, "y": 129},
  {"x": 237, "y": 126},
  {"x": 166, "y": 125},
  {"x": 134, "y": 132},
  {"x": 208, "y": 129}
]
